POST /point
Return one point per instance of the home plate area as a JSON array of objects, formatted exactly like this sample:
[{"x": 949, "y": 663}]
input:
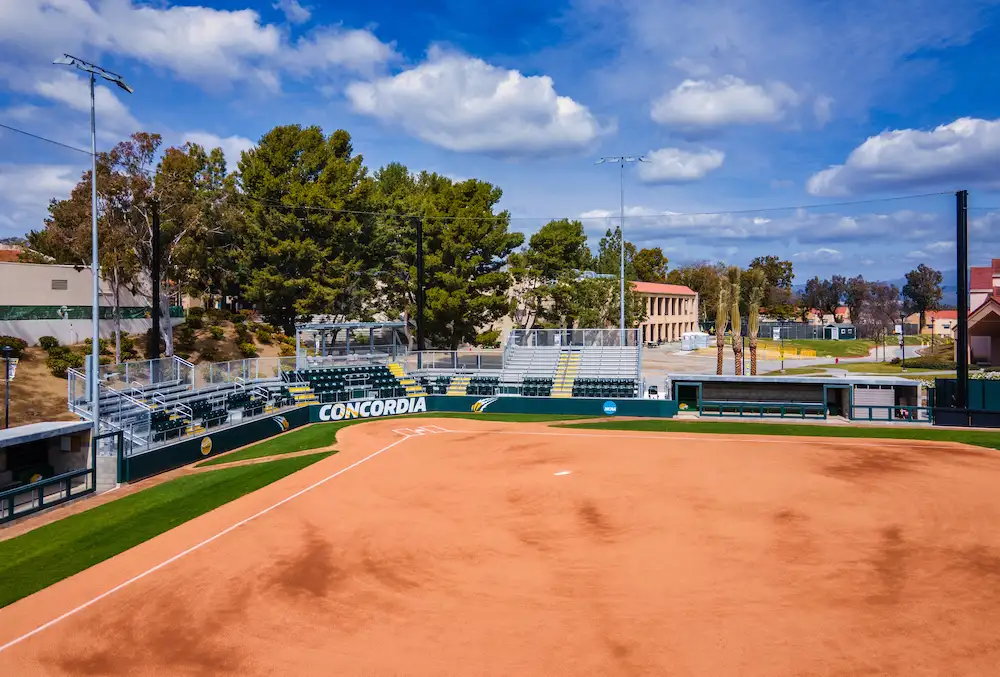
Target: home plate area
[{"x": 481, "y": 548}]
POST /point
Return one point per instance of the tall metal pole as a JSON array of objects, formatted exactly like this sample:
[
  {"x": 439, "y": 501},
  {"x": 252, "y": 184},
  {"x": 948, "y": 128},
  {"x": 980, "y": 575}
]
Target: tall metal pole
[
  {"x": 6, "y": 389},
  {"x": 420, "y": 291},
  {"x": 154, "y": 340},
  {"x": 95, "y": 377},
  {"x": 621, "y": 233},
  {"x": 962, "y": 358}
]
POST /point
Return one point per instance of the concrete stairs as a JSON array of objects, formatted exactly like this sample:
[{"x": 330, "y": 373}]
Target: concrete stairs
[
  {"x": 459, "y": 385},
  {"x": 303, "y": 395},
  {"x": 565, "y": 375},
  {"x": 413, "y": 389}
]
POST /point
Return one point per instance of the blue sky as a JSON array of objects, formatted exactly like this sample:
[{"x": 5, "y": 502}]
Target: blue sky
[{"x": 738, "y": 105}]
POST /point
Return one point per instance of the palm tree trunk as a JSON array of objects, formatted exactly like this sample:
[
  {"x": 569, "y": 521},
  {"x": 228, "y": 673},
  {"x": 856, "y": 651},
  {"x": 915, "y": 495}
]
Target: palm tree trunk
[
  {"x": 738, "y": 352},
  {"x": 720, "y": 344},
  {"x": 753, "y": 355}
]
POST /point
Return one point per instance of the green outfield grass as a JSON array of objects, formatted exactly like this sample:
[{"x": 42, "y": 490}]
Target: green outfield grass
[
  {"x": 320, "y": 435},
  {"x": 50, "y": 553},
  {"x": 979, "y": 438},
  {"x": 797, "y": 371},
  {"x": 822, "y": 347}
]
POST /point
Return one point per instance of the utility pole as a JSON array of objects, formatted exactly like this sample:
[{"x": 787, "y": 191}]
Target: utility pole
[
  {"x": 154, "y": 339},
  {"x": 420, "y": 291},
  {"x": 621, "y": 161},
  {"x": 6, "y": 390},
  {"x": 962, "y": 337}
]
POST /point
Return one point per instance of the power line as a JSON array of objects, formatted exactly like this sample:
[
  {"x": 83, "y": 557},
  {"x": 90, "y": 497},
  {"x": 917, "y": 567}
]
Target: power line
[
  {"x": 359, "y": 212},
  {"x": 46, "y": 140}
]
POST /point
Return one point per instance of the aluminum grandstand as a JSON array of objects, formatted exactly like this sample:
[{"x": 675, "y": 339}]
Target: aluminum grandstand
[{"x": 158, "y": 402}]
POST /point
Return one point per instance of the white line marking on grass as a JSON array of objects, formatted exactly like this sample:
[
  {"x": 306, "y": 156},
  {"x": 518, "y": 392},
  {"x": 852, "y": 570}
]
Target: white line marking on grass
[
  {"x": 746, "y": 438},
  {"x": 198, "y": 546}
]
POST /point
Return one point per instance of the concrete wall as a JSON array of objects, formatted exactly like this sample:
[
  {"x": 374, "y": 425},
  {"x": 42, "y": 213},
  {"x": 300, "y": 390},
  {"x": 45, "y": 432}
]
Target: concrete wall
[
  {"x": 31, "y": 284},
  {"x": 72, "y": 331},
  {"x": 668, "y": 316}
]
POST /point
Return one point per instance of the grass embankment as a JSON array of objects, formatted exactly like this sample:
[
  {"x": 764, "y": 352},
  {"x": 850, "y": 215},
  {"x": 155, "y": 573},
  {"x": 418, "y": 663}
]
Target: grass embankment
[
  {"x": 979, "y": 438},
  {"x": 48, "y": 554},
  {"x": 320, "y": 435}
]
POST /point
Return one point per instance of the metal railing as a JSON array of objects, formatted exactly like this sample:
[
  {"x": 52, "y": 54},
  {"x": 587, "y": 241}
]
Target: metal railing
[
  {"x": 763, "y": 409},
  {"x": 895, "y": 413},
  {"x": 46, "y": 493},
  {"x": 574, "y": 337},
  {"x": 455, "y": 360}
]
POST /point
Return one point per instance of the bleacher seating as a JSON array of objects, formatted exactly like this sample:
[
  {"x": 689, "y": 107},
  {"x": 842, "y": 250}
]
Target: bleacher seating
[
  {"x": 339, "y": 384},
  {"x": 435, "y": 385},
  {"x": 534, "y": 386},
  {"x": 165, "y": 426},
  {"x": 605, "y": 387},
  {"x": 483, "y": 385}
]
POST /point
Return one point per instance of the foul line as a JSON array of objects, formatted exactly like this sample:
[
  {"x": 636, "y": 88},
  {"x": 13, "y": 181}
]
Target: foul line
[
  {"x": 750, "y": 438},
  {"x": 198, "y": 546}
]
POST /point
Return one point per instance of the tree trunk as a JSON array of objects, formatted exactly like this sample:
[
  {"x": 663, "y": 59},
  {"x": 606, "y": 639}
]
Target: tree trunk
[
  {"x": 738, "y": 353},
  {"x": 753, "y": 355},
  {"x": 118, "y": 319},
  {"x": 720, "y": 344}
]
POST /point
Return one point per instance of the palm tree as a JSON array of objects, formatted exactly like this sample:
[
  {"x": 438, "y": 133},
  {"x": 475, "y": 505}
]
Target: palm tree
[
  {"x": 721, "y": 317},
  {"x": 757, "y": 283},
  {"x": 733, "y": 275}
]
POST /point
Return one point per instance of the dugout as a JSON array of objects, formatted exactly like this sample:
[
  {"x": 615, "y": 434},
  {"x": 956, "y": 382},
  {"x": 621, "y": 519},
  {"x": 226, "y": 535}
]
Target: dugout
[
  {"x": 44, "y": 464},
  {"x": 856, "y": 398}
]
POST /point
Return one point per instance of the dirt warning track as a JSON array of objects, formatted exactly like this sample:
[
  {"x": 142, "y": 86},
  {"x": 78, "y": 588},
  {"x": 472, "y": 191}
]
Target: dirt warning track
[{"x": 474, "y": 548}]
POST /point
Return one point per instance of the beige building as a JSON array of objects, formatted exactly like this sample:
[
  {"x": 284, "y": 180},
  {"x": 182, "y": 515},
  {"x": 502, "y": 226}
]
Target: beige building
[{"x": 671, "y": 310}]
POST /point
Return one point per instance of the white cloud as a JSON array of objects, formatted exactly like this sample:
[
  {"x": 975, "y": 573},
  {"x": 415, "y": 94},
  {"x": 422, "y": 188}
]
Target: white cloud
[
  {"x": 465, "y": 104},
  {"x": 293, "y": 11},
  {"x": 232, "y": 146},
  {"x": 203, "y": 45},
  {"x": 113, "y": 116},
  {"x": 673, "y": 165},
  {"x": 358, "y": 51},
  {"x": 963, "y": 153},
  {"x": 25, "y": 191},
  {"x": 822, "y": 109},
  {"x": 820, "y": 255},
  {"x": 728, "y": 100}
]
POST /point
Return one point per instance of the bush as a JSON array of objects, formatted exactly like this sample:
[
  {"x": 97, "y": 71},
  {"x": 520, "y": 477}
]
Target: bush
[
  {"x": 895, "y": 360},
  {"x": 218, "y": 314},
  {"x": 247, "y": 314},
  {"x": 47, "y": 343},
  {"x": 195, "y": 322},
  {"x": 104, "y": 346},
  {"x": 242, "y": 334},
  {"x": 264, "y": 336},
  {"x": 930, "y": 363},
  {"x": 264, "y": 326},
  {"x": 282, "y": 337},
  {"x": 107, "y": 359},
  {"x": 209, "y": 354},
  {"x": 17, "y": 345},
  {"x": 62, "y": 359},
  {"x": 286, "y": 350},
  {"x": 216, "y": 332},
  {"x": 195, "y": 313},
  {"x": 248, "y": 349},
  {"x": 184, "y": 337}
]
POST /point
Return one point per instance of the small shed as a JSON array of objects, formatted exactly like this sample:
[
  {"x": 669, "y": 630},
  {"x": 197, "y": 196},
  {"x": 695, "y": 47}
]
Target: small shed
[{"x": 840, "y": 332}]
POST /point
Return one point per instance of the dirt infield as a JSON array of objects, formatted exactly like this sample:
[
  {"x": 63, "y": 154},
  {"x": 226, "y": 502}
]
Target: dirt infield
[{"x": 499, "y": 549}]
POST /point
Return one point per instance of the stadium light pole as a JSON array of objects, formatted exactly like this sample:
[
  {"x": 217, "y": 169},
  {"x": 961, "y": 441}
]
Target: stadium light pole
[
  {"x": 94, "y": 71},
  {"x": 621, "y": 161}
]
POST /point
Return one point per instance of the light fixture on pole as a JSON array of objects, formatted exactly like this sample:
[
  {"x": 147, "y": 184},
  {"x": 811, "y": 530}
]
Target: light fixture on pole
[
  {"x": 621, "y": 161},
  {"x": 94, "y": 71}
]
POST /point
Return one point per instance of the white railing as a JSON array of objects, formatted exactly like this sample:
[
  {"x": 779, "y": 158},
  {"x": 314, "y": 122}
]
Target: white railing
[
  {"x": 574, "y": 337},
  {"x": 455, "y": 360}
]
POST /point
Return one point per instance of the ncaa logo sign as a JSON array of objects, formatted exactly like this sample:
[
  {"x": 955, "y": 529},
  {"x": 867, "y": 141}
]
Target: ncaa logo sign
[
  {"x": 610, "y": 408},
  {"x": 372, "y": 408}
]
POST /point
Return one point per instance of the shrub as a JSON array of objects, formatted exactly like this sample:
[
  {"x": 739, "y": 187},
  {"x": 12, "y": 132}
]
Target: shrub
[
  {"x": 209, "y": 354},
  {"x": 282, "y": 337},
  {"x": 488, "y": 339},
  {"x": 248, "y": 349},
  {"x": 48, "y": 343},
  {"x": 286, "y": 350},
  {"x": 195, "y": 313},
  {"x": 195, "y": 322},
  {"x": 930, "y": 363},
  {"x": 62, "y": 359},
  {"x": 242, "y": 334},
  {"x": 17, "y": 345},
  {"x": 216, "y": 332},
  {"x": 895, "y": 360},
  {"x": 184, "y": 337},
  {"x": 264, "y": 336},
  {"x": 238, "y": 320},
  {"x": 104, "y": 346},
  {"x": 107, "y": 359},
  {"x": 264, "y": 326},
  {"x": 218, "y": 314},
  {"x": 247, "y": 313}
]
